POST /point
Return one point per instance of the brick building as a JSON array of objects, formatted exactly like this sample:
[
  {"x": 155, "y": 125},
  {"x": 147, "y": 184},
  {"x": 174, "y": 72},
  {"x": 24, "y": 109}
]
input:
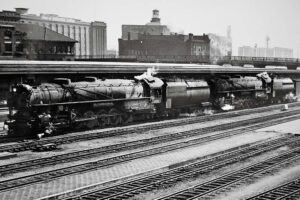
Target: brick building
[
  {"x": 165, "y": 45},
  {"x": 34, "y": 42},
  {"x": 11, "y": 41},
  {"x": 91, "y": 36},
  {"x": 154, "y": 39}
]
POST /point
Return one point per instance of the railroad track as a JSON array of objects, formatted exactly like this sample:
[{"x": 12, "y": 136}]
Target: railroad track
[
  {"x": 133, "y": 187},
  {"x": 54, "y": 174},
  {"x": 109, "y": 133},
  {"x": 290, "y": 190},
  {"x": 80, "y": 155},
  {"x": 205, "y": 189}
]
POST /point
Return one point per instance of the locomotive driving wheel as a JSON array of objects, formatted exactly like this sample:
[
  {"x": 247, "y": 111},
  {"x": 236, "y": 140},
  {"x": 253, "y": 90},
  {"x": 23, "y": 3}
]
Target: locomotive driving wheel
[
  {"x": 103, "y": 119},
  {"x": 93, "y": 122},
  {"x": 115, "y": 117},
  {"x": 127, "y": 118}
]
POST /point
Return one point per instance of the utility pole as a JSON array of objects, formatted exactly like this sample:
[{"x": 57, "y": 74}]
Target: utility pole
[{"x": 267, "y": 40}]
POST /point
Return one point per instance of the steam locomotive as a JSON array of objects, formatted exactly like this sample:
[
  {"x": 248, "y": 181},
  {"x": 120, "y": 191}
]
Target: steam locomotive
[{"x": 94, "y": 102}]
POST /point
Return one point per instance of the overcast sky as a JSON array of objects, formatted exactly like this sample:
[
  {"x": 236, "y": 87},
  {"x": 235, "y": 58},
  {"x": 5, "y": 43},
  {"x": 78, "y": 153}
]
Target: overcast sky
[{"x": 251, "y": 20}]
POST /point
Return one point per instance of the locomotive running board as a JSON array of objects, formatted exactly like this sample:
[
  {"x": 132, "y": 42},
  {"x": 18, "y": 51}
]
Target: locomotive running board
[{"x": 91, "y": 102}]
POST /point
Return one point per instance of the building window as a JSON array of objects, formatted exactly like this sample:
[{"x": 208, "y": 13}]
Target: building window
[
  {"x": 85, "y": 48},
  {"x": 68, "y": 31},
  {"x": 74, "y": 32},
  {"x": 8, "y": 47},
  {"x": 80, "y": 45},
  {"x": 56, "y": 27},
  {"x": 63, "y": 29},
  {"x": 50, "y": 26}
]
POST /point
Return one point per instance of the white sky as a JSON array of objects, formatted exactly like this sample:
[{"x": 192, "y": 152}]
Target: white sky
[{"x": 251, "y": 20}]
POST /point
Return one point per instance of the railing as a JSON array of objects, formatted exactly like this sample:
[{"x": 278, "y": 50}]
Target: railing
[
  {"x": 96, "y": 56},
  {"x": 189, "y": 59},
  {"x": 270, "y": 59}
]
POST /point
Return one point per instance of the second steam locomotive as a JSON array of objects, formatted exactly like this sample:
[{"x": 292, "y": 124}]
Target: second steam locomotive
[{"x": 95, "y": 102}]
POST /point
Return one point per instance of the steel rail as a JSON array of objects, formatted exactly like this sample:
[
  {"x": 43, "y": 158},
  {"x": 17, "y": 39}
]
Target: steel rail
[
  {"x": 231, "y": 178},
  {"x": 128, "y": 130},
  {"x": 16, "y": 167},
  {"x": 76, "y": 169},
  {"x": 204, "y": 166},
  {"x": 290, "y": 190},
  {"x": 79, "y": 155}
]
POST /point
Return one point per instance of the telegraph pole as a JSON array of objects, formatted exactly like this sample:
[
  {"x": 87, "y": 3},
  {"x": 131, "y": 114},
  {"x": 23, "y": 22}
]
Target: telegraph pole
[{"x": 267, "y": 40}]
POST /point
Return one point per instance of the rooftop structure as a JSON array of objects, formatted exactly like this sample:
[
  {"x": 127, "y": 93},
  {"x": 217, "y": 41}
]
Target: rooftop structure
[
  {"x": 155, "y": 18},
  {"x": 154, "y": 27}
]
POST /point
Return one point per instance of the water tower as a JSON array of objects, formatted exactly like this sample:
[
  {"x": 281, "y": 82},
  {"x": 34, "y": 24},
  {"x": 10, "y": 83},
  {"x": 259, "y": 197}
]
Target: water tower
[{"x": 155, "y": 16}]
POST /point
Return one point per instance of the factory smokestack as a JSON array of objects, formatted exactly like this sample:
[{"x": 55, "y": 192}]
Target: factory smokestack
[{"x": 229, "y": 32}]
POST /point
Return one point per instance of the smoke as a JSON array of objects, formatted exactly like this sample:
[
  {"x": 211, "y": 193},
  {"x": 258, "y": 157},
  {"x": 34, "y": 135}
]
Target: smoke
[
  {"x": 265, "y": 76},
  {"x": 177, "y": 30}
]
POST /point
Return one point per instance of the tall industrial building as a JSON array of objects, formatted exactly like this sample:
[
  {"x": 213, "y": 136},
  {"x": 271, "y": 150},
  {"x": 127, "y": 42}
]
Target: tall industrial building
[
  {"x": 166, "y": 45},
  {"x": 277, "y": 52},
  {"x": 154, "y": 27},
  {"x": 154, "y": 39},
  {"x": 91, "y": 36}
]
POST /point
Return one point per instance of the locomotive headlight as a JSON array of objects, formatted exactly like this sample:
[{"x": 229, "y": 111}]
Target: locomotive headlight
[{"x": 14, "y": 89}]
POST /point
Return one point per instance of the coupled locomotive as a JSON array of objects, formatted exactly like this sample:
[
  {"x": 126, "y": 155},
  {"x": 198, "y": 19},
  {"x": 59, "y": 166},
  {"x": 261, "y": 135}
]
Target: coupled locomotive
[{"x": 94, "y": 102}]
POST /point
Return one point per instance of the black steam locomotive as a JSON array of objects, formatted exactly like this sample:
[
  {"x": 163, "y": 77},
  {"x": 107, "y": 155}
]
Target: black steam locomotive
[{"x": 94, "y": 102}]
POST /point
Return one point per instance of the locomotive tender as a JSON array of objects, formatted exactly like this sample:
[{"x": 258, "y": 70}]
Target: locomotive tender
[{"x": 95, "y": 102}]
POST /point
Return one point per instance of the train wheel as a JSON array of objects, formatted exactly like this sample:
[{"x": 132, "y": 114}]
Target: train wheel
[
  {"x": 279, "y": 101},
  {"x": 93, "y": 122},
  {"x": 247, "y": 103},
  {"x": 115, "y": 117},
  {"x": 103, "y": 119},
  {"x": 148, "y": 116},
  {"x": 127, "y": 118}
]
